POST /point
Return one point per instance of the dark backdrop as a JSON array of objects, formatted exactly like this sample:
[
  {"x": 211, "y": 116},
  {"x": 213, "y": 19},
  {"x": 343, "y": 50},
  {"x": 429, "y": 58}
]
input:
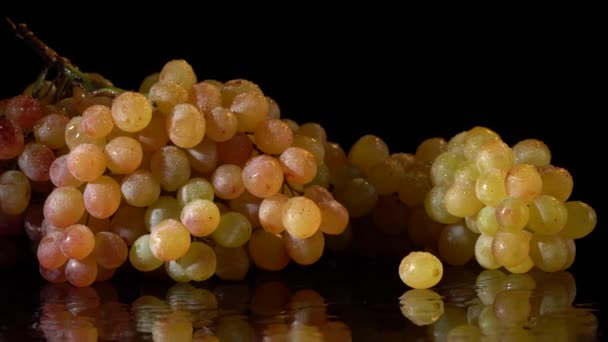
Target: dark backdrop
[{"x": 402, "y": 76}]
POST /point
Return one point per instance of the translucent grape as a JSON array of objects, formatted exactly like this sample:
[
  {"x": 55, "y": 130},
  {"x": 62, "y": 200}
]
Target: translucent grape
[
  {"x": 299, "y": 165},
  {"x": 305, "y": 251},
  {"x": 78, "y": 242},
  {"x": 97, "y": 121},
  {"x": 549, "y": 253},
  {"x": 270, "y": 213},
  {"x": 199, "y": 263},
  {"x": 444, "y": 167},
  {"x": 11, "y": 139},
  {"x": 102, "y": 197},
  {"x": 140, "y": 188},
  {"x": 207, "y": 96},
  {"x": 49, "y": 251},
  {"x": 312, "y": 145},
  {"x": 268, "y": 251},
  {"x": 248, "y": 205},
  {"x": 50, "y": 130},
  {"x": 178, "y": 71},
  {"x": 81, "y": 273},
  {"x": 128, "y": 223},
  {"x": 533, "y": 152},
  {"x": 512, "y": 214},
  {"x": 483, "y": 252},
  {"x": 171, "y": 167},
  {"x": 490, "y": 187},
  {"x": 185, "y": 125},
  {"x": 236, "y": 150},
  {"x": 141, "y": 256},
  {"x": 221, "y": 124},
  {"x": 203, "y": 157},
  {"x": 460, "y": 200},
  {"x": 24, "y": 110},
  {"x": 301, "y": 217},
  {"x": 234, "y": 230},
  {"x": 358, "y": 196},
  {"x": 154, "y": 135},
  {"x": 420, "y": 270},
  {"x": 166, "y": 207},
  {"x": 35, "y": 161},
  {"x": 367, "y": 151},
  {"x": 148, "y": 81},
  {"x": 64, "y": 206},
  {"x": 494, "y": 155},
  {"x": 581, "y": 220},
  {"x": 169, "y": 240},
  {"x": 166, "y": 95},
  {"x": 456, "y": 244},
  {"x": 334, "y": 155},
  {"x": 429, "y": 149},
  {"x": 87, "y": 162},
  {"x": 547, "y": 215},
  {"x": 334, "y": 217},
  {"x": 195, "y": 188},
  {"x": 124, "y": 155},
  {"x": 486, "y": 221},
  {"x": 511, "y": 248},
  {"x": 474, "y": 139},
  {"x": 262, "y": 176},
  {"x": 110, "y": 250},
  {"x": 74, "y": 135},
  {"x": 15, "y": 192},
  {"x": 434, "y": 205},
  {"x": 386, "y": 176},
  {"x": 201, "y": 217},
  {"x": 131, "y": 111},
  {"x": 251, "y": 109},
  {"x": 524, "y": 182},
  {"x": 557, "y": 182},
  {"x": 273, "y": 136},
  {"x": 227, "y": 181}
]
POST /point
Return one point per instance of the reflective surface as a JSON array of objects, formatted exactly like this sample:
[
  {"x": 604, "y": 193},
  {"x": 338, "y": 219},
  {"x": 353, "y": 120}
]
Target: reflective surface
[{"x": 338, "y": 299}]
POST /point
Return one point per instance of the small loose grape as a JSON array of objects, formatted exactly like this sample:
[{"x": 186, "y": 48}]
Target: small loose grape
[{"x": 420, "y": 270}]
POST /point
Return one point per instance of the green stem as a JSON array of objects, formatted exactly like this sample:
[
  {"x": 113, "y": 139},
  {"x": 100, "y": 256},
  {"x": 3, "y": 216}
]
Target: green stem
[{"x": 68, "y": 75}]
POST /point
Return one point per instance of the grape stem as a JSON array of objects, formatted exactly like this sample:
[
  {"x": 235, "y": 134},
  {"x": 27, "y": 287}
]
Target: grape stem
[{"x": 67, "y": 73}]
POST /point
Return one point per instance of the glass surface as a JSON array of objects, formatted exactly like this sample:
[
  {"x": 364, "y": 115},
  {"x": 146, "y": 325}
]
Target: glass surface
[{"x": 338, "y": 299}]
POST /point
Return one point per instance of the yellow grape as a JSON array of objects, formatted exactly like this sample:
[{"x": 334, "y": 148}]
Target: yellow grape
[
  {"x": 305, "y": 251},
  {"x": 580, "y": 222},
  {"x": 131, "y": 111},
  {"x": 547, "y": 215},
  {"x": 178, "y": 71},
  {"x": 301, "y": 217},
  {"x": 533, "y": 152},
  {"x": 169, "y": 240},
  {"x": 268, "y": 251},
  {"x": 490, "y": 187},
  {"x": 557, "y": 182},
  {"x": 524, "y": 182},
  {"x": 420, "y": 270}
]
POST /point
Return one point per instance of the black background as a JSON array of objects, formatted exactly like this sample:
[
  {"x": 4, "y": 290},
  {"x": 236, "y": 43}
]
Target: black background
[{"x": 400, "y": 75}]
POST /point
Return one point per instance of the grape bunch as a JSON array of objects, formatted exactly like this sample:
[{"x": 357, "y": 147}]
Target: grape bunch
[
  {"x": 198, "y": 178},
  {"x": 194, "y": 178}
]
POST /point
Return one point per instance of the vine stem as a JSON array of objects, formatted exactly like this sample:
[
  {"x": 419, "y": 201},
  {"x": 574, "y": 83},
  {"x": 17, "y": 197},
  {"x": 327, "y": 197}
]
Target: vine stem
[{"x": 66, "y": 71}]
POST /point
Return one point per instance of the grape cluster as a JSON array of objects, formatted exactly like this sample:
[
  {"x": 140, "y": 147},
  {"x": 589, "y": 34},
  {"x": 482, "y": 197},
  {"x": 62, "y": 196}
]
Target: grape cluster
[{"x": 200, "y": 178}]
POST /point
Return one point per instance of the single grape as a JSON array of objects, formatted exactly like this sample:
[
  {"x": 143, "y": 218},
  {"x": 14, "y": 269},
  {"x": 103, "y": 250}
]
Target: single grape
[{"x": 420, "y": 270}]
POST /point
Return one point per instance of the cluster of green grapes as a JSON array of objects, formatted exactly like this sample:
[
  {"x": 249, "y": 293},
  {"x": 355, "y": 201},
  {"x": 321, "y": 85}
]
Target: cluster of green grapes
[
  {"x": 202, "y": 178},
  {"x": 514, "y": 203},
  {"x": 187, "y": 313},
  {"x": 470, "y": 198},
  {"x": 509, "y": 307}
]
